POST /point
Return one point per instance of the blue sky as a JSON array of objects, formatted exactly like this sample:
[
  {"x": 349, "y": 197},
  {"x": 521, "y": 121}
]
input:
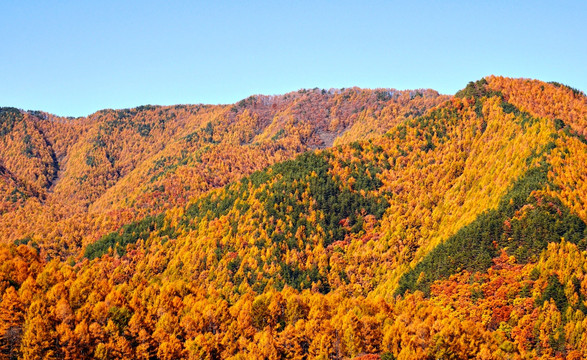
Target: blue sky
[{"x": 75, "y": 57}]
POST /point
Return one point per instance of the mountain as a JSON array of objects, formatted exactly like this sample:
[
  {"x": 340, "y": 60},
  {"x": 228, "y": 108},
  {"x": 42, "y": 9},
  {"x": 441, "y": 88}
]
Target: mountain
[
  {"x": 94, "y": 174},
  {"x": 317, "y": 224}
]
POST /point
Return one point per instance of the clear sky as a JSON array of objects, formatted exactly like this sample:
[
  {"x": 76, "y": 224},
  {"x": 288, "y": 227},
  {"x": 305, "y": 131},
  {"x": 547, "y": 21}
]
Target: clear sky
[{"x": 76, "y": 57}]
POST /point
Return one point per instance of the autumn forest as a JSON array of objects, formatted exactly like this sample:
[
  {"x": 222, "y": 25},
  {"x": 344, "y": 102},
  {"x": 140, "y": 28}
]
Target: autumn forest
[{"x": 319, "y": 224}]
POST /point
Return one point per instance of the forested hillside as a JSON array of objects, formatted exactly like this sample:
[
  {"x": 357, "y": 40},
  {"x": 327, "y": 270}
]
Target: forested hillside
[
  {"x": 314, "y": 225},
  {"x": 66, "y": 181}
]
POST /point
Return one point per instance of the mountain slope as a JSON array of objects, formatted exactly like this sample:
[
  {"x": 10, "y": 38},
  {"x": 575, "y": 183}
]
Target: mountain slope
[
  {"x": 460, "y": 233},
  {"x": 94, "y": 174}
]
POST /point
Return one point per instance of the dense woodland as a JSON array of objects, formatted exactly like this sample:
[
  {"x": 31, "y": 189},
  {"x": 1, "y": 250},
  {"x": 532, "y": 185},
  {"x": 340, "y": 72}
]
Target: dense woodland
[{"x": 320, "y": 224}]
